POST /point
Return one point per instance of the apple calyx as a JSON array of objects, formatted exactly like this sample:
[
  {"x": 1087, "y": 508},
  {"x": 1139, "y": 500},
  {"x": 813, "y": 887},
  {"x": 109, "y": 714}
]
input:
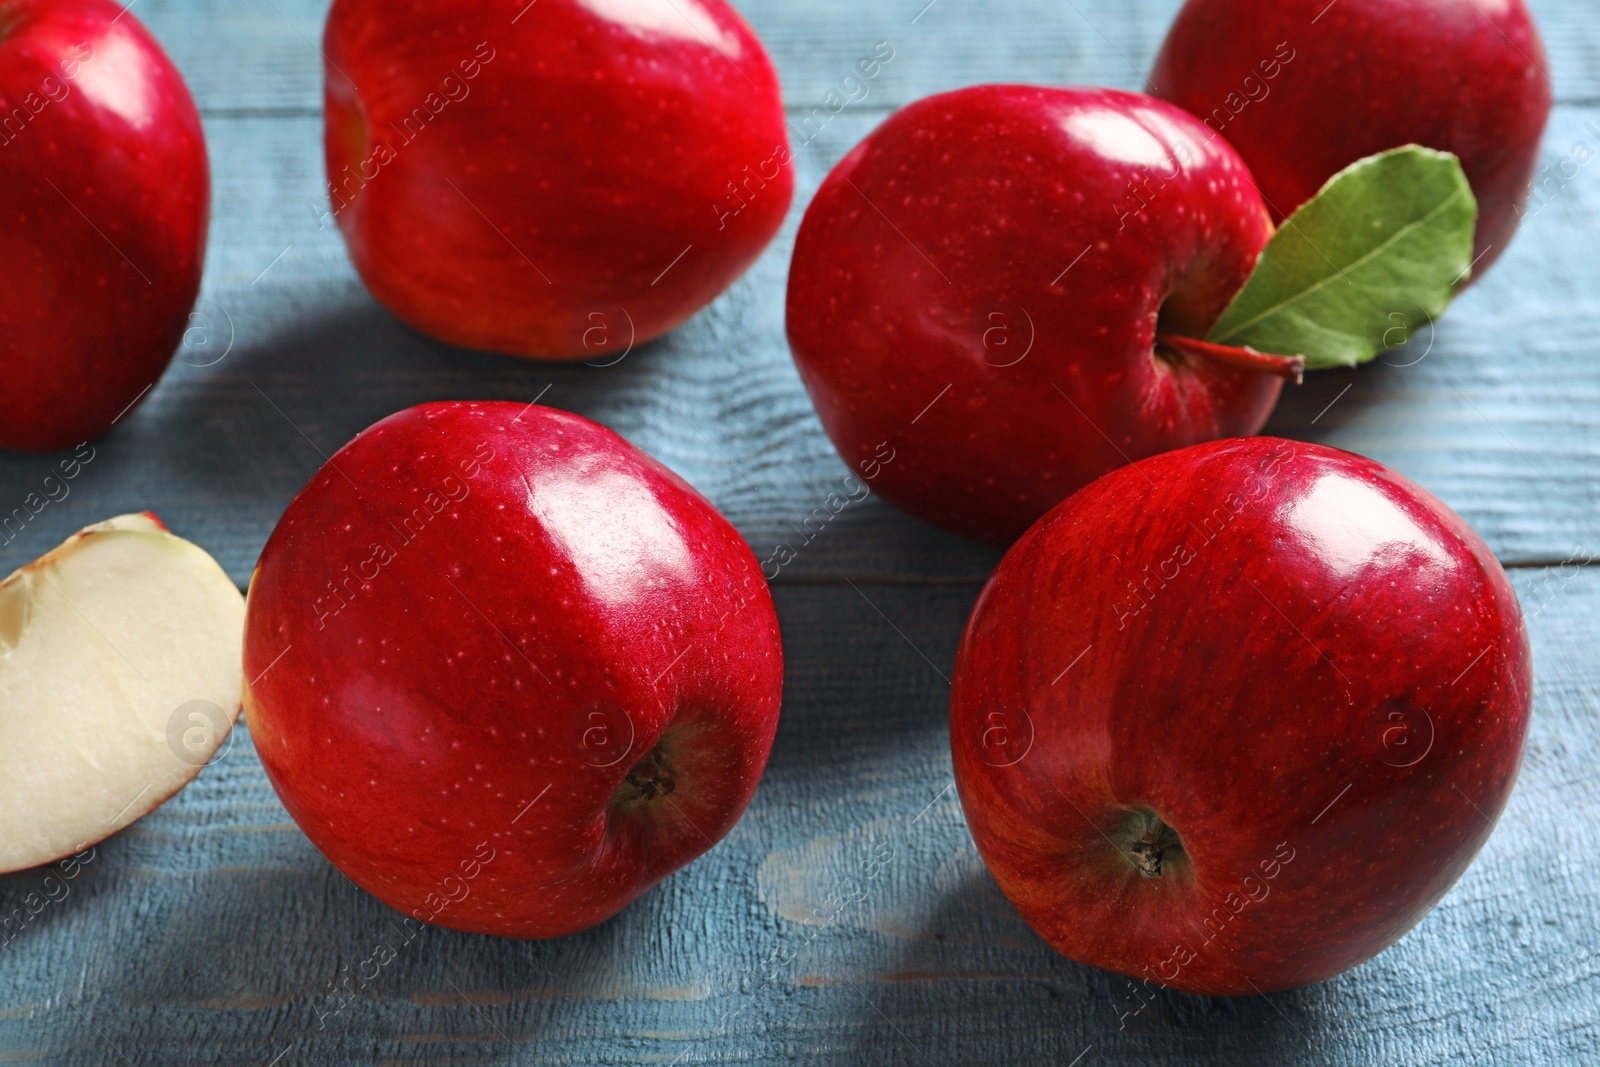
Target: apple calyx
[
  {"x": 1149, "y": 844},
  {"x": 648, "y": 779},
  {"x": 1289, "y": 368}
]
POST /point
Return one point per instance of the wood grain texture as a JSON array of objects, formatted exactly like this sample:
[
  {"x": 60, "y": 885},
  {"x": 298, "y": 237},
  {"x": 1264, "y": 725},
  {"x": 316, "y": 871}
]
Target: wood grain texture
[
  {"x": 260, "y": 55},
  {"x": 213, "y": 933}
]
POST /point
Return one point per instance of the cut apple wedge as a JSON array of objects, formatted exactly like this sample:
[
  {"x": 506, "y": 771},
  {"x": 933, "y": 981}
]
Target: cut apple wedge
[{"x": 119, "y": 679}]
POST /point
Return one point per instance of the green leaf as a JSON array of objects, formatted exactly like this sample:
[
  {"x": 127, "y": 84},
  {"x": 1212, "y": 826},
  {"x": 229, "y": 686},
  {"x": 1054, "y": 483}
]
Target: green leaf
[{"x": 1375, "y": 255}]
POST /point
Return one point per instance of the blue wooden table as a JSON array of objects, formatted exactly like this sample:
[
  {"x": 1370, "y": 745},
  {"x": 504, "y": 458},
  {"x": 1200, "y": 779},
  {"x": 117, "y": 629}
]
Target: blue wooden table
[{"x": 213, "y": 933}]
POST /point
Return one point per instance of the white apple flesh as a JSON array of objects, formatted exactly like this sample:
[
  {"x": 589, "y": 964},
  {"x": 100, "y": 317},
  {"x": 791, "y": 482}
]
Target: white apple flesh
[{"x": 119, "y": 678}]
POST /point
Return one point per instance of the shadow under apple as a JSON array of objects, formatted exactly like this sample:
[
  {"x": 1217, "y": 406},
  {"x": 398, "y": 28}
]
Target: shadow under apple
[
  {"x": 1328, "y": 401},
  {"x": 245, "y": 943},
  {"x": 951, "y": 990}
]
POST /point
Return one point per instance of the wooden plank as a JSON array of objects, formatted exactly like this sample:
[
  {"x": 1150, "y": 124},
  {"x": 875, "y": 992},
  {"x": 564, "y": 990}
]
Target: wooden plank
[
  {"x": 211, "y": 932},
  {"x": 261, "y": 55},
  {"x": 1501, "y": 417}
]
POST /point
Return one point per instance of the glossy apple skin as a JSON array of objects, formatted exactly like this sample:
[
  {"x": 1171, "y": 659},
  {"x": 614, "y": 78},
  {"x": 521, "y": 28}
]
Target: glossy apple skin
[
  {"x": 931, "y": 305},
  {"x": 1461, "y": 76},
  {"x": 107, "y": 198},
  {"x": 597, "y": 142},
  {"x": 1305, "y": 665},
  {"x": 453, "y": 722}
]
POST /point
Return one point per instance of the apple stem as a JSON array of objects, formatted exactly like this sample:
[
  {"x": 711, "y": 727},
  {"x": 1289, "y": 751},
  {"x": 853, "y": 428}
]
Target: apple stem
[{"x": 1289, "y": 368}]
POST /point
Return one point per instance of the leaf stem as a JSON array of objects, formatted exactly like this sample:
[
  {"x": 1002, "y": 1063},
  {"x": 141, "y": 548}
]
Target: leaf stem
[{"x": 1289, "y": 368}]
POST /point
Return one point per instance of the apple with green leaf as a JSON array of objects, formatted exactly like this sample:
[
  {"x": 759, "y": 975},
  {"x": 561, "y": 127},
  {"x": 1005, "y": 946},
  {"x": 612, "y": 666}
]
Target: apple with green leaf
[
  {"x": 119, "y": 679},
  {"x": 1303, "y": 88},
  {"x": 1234, "y": 718},
  {"x": 1019, "y": 289}
]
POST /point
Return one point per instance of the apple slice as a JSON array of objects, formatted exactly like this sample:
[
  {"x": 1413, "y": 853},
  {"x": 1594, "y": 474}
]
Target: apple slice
[
  {"x": 134, "y": 520},
  {"x": 119, "y": 678}
]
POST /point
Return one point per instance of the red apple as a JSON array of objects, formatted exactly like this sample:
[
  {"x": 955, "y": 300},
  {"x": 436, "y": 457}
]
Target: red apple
[
  {"x": 980, "y": 284},
  {"x": 107, "y": 195},
  {"x": 1304, "y": 88},
  {"x": 561, "y": 179},
  {"x": 1234, "y": 718},
  {"x": 507, "y": 671}
]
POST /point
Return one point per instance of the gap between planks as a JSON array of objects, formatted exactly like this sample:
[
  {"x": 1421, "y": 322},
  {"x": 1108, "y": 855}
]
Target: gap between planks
[{"x": 935, "y": 582}]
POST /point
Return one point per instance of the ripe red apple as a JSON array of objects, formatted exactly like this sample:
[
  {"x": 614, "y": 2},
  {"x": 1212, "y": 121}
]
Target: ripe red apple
[
  {"x": 981, "y": 282},
  {"x": 1304, "y": 88},
  {"x": 107, "y": 195},
  {"x": 507, "y": 671},
  {"x": 1234, "y": 718},
  {"x": 561, "y": 179}
]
